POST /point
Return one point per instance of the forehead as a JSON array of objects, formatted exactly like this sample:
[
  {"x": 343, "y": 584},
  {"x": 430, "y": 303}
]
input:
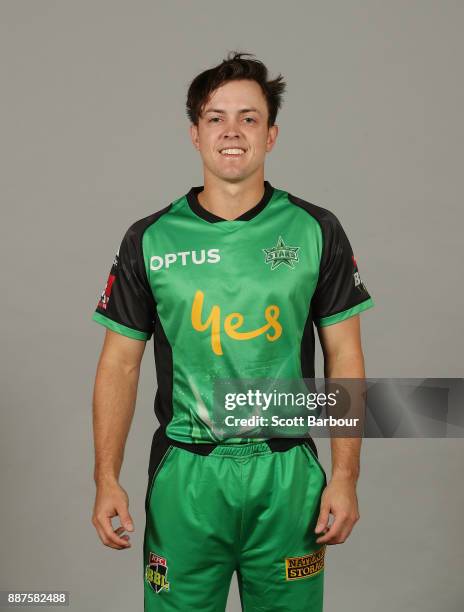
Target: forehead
[{"x": 237, "y": 94}]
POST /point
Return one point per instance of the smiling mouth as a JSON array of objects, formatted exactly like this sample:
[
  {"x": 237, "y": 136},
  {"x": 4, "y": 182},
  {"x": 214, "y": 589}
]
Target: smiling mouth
[{"x": 232, "y": 152}]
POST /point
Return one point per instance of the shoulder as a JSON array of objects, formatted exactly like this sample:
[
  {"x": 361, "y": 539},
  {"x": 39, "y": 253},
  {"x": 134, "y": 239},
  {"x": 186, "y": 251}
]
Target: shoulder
[
  {"x": 138, "y": 227},
  {"x": 325, "y": 217}
]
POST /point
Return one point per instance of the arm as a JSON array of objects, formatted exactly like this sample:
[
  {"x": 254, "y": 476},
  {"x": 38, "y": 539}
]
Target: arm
[
  {"x": 343, "y": 358},
  {"x": 114, "y": 398}
]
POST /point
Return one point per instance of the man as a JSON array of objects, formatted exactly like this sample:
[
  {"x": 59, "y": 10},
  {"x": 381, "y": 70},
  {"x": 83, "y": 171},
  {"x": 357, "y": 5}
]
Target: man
[{"x": 230, "y": 280}]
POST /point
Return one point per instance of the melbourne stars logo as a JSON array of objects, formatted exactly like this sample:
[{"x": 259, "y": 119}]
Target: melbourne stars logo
[{"x": 281, "y": 254}]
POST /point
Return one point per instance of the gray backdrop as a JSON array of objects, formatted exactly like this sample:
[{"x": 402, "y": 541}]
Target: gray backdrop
[{"x": 94, "y": 137}]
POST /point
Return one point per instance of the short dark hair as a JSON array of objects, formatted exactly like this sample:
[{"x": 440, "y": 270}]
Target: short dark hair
[{"x": 234, "y": 68}]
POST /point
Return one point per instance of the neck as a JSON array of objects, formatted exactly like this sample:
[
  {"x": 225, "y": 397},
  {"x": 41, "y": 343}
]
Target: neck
[{"x": 230, "y": 200}]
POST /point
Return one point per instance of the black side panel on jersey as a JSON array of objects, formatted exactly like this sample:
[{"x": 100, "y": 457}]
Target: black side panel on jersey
[
  {"x": 164, "y": 374},
  {"x": 162, "y": 350},
  {"x": 307, "y": 349},
  {"x": 159, "y": 445}
]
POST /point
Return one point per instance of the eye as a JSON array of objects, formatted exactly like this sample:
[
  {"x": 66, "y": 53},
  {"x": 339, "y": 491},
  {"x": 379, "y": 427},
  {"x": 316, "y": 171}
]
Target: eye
[
  {"x": 213, "y": 119},
  {"x": 250, "y": 119}
]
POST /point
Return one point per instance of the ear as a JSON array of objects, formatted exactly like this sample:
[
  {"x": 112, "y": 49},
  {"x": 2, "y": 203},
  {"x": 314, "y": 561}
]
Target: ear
[
  {"x": 271, "y": 137},
  {"x": 195, "y": 136}
]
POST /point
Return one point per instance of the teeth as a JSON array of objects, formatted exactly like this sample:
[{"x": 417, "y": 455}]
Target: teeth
[{"x": 232, "y": 151}]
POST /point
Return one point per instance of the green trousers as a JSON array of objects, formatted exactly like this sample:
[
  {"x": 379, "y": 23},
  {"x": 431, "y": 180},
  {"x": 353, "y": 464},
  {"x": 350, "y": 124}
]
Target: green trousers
[{"x": 241, "y": 508}]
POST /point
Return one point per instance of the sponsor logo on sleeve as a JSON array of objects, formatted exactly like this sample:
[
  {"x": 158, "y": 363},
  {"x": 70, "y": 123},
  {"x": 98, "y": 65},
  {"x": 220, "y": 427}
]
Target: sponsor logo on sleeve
[
  {"x": 356, "y": 277},
  {"x": 105, "y": 296}
]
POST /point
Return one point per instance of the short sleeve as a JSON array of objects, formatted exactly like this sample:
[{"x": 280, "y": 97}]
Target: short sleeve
[
  {"x": 340, "y": 292},
  {"x": 127, "y": 305}
]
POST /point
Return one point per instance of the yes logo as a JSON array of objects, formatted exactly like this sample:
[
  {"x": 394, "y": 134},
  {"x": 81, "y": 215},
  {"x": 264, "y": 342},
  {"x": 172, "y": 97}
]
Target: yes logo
[{"x": 232, "y": 323}]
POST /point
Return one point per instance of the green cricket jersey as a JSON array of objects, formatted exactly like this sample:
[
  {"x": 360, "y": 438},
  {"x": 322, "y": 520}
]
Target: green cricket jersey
[{"x": 229, "y": 299}]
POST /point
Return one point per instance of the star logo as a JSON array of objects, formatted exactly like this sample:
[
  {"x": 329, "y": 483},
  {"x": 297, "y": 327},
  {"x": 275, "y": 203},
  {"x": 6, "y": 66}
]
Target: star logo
[{"x": 281, "y": 254}]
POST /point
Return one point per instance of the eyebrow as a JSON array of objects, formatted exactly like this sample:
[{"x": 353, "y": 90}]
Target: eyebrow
[{"x": 243, "y": 110}]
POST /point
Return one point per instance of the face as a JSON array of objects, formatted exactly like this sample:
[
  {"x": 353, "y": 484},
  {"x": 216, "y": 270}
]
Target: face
[{"x": 232, "y": 135}]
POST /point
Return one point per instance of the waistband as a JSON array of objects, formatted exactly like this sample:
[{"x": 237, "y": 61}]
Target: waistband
[
  {"x": 274, "y": 444},
  {"x": 161, "y": 443},
  {"x": 242, "y": 450}
]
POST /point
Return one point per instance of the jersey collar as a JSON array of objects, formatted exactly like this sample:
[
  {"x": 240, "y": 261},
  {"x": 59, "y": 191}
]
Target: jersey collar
[{"x": 198, "y": 209}]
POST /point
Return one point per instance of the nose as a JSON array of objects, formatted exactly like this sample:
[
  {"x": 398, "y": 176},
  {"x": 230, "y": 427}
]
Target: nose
[{"x": 231, "y": 129}]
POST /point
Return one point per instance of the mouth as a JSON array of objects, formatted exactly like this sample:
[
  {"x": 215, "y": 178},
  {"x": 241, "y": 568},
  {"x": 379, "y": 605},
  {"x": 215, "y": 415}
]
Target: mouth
[{"x": 232, "y": 152}]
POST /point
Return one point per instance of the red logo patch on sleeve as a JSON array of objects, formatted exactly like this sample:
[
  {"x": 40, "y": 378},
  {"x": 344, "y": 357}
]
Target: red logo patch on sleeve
[{"x": 105, "y": 296}]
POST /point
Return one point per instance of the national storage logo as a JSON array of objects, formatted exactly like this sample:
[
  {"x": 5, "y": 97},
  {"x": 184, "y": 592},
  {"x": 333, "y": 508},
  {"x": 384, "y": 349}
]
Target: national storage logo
[{"x": 303, "y": 567}]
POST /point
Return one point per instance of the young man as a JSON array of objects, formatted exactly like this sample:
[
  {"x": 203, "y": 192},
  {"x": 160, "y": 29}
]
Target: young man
[{"x": 230, "y": 280}]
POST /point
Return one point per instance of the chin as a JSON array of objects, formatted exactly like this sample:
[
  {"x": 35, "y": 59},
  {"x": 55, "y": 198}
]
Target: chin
[
  {"x": 231, "y": 175},
  {"x": 233, "y": 178}
]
